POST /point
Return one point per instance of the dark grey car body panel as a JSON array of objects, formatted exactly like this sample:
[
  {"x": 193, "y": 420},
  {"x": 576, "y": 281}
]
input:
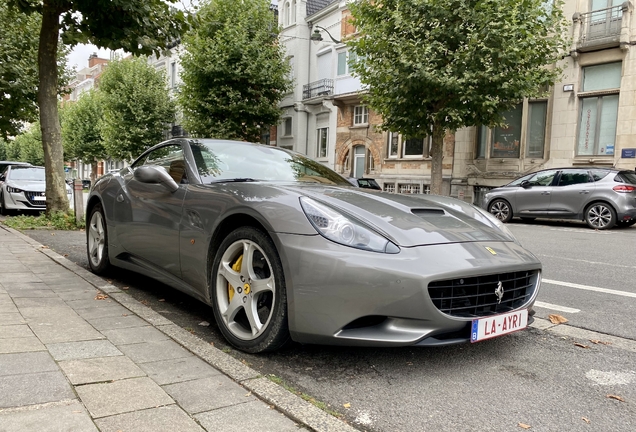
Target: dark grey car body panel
[{"x": 170, "y": 236}]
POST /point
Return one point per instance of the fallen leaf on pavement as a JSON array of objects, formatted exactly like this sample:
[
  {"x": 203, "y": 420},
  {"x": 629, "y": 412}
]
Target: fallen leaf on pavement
[
  {"x": 524, "y": 426},
  {"x": 101, "y": 297},
  {"x": 144, "y": 302},
  {"x": 52, "y": 233},
  {"x": 557, "y": 319},
  {"x": 65, "y": 255},
  {"x": 347, "y": 405},
  {"x": 580, "y": 345},
  {"x": 124, "y": 288},
  {"x": 618, "y": 398},
  {"x": 249, "y": 394},
  {"x": 162, "y": 300},
  {"x": 45, "y": 247},
  {"x": 204, "y": 323},
  {"x": 596, "y": 341},
  {"x": 586, "y": 420}
]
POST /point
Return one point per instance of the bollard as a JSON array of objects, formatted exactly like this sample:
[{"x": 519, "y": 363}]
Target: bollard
[{"x": 78, "y": 199}]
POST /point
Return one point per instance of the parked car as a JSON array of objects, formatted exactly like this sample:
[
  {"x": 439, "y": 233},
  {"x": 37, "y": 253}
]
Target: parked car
[
  {"x": 365, "y": 183},
  {"x": 22, "y": 187},
  {"x": 5, "y": 164},
  {"x": 282, "y": 248},
  {"x": 602, "y": 197}
]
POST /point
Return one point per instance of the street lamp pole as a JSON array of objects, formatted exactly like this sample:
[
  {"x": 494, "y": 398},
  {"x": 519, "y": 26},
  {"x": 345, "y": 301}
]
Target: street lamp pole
[{"x": 317, "y": 37}]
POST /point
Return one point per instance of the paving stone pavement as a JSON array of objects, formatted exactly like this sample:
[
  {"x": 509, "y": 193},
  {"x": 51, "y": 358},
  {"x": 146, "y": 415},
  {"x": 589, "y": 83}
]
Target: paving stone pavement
[{"x": 77, "y": 354}]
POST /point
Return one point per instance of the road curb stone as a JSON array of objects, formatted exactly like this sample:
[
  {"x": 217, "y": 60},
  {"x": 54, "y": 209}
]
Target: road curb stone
[{"x": 288, "y": 403}]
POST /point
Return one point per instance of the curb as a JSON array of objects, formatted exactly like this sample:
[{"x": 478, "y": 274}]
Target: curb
[{"x": 284, "y": 401}]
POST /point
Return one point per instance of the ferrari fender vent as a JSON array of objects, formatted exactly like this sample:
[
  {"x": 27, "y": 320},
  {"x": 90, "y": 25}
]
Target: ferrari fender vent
[{"x": 479, "y": 296}]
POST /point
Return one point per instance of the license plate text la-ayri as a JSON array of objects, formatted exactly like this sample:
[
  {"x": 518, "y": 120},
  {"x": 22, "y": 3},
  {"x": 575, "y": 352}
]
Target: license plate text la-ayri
[{"x": 497, "y": 325}]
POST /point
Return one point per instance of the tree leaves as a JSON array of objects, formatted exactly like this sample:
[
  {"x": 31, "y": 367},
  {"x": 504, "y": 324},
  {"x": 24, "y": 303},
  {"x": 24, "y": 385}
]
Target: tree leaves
[{"x": 233, "y": 71}]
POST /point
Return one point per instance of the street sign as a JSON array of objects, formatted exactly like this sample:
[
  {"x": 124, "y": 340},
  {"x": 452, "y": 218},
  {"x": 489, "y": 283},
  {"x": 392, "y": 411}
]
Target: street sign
[{"x": 628, "y": 153}]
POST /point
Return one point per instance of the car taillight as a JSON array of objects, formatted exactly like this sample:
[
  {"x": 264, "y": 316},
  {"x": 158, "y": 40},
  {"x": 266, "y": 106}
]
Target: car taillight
[{"x": 624, "y": 188}]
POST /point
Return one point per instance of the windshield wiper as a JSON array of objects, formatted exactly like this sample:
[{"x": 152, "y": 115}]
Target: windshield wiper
[{"x": 235, "y": 180}]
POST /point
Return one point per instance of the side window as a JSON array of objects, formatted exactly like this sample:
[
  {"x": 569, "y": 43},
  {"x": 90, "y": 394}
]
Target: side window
[
  {"x": 599, "y": 174},
  {"x": 170, "y": 158},
  {"x": 572, "y": 177},
  {"x": 542, "y": 178}
]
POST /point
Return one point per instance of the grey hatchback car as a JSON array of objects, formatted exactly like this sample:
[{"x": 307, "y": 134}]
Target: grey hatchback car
[{"x": 602, "y": 197}]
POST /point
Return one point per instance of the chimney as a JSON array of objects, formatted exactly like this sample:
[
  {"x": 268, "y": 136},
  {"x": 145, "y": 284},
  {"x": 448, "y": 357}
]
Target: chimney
[{"x": 92, "y": 60}]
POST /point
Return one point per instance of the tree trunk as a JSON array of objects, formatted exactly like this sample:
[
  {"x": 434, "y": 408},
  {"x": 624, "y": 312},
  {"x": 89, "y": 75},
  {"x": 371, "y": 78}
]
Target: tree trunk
[
  {"x": 49, "y": 120},
  {"x": 437, "y": 150},
  {"x": 93, "y": 171}
]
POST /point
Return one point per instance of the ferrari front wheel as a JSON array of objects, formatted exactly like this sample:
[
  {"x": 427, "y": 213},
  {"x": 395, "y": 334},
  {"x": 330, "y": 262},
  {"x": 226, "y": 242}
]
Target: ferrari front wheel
[
  {"x": 97, "y": 241},
  {"x": 248, "y": 292}
]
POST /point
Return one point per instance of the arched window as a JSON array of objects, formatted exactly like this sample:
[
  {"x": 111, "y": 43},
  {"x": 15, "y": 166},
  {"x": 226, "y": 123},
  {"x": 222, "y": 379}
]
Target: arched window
[
  {"x": 293, "y": 12},
  {"x": 286, "y": 14}
]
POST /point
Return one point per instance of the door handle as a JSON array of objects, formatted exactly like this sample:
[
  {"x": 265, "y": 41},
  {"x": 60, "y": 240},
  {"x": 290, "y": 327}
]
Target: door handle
[
  {"x": 584, "y": 192},
  {"x": 545, "y": 193}
]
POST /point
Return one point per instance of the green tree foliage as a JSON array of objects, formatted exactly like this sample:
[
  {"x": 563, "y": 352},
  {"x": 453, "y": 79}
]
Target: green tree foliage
[
  {"x": 445, "y": 64},
  {"x": 81, "y": 133},
  {"x": 139, "y": 27},
  {"x": 137, "y": 107},
  {"x": 234, "y": 72},
  {"x": 19, "y": 68},
  {"x": 27, "y": 147}
]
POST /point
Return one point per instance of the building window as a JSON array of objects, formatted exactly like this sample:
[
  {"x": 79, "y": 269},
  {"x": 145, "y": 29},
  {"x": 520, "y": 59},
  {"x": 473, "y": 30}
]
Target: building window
[
  {"x": 173, "y": 74},
  {"x": 392, "y": 146},
  {"x": 389, "y": 187},
  {"x": 346, "y": 59},
  {"x": 409, "y": 188},
  {"x": 287, "y": 127},
  {"x": 371, "y": 162},
  {"x": 599, "y": 112},
  {"x": 286, "y": 14},
  {"x": 537, "y": 114},
  {"x": 506, "y": 140},
  {"x": 322, "y": 140},
  {"x": 360, "y": 115},
  {"x": 293, "y": 12}
]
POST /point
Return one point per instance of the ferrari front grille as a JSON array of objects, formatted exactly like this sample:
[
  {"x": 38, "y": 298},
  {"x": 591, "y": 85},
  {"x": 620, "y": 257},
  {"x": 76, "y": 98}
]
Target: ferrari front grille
[{"x": 479, "y": 296}]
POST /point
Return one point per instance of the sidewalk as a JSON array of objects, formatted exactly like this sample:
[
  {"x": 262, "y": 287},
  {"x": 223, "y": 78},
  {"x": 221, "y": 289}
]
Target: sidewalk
[{"x": 78, "y": 354}]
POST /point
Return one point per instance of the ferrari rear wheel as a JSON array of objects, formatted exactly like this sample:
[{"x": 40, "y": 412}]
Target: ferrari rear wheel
[
  {"x": 97, "y": 241},
  {"x": 248, "y": 292}
]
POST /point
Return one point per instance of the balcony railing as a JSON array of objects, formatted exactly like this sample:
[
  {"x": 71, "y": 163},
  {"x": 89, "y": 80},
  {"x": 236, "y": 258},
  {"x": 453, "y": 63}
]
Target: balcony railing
[
  {"x": 323, "y": 87},
  {"x": 602, "y": 24}
]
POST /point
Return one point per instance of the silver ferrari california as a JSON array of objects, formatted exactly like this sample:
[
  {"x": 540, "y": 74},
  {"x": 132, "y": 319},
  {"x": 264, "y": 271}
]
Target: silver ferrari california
[{"x": 283, "y": 248}]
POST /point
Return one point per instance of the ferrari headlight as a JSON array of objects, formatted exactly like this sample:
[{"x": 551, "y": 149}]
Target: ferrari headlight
[
  {"x": 13, "y": 190},
  {"x": 344, "y": 230}
]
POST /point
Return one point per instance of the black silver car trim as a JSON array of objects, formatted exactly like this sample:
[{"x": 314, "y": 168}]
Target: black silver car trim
[{"x": 479, "y": 296}]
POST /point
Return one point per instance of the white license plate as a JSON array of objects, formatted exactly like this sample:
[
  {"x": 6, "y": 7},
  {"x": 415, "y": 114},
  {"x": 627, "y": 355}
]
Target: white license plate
[
  {"x": 497, "y": 325},
  {"x": 39, "y": 198}
]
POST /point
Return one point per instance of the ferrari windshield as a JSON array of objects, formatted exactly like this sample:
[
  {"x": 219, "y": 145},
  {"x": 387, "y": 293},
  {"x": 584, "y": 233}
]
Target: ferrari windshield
[{"x": 219, "y": 161}]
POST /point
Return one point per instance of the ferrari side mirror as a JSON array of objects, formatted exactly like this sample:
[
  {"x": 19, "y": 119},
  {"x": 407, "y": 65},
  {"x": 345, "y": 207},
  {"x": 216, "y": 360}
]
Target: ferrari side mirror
[{"x": 155, "y": 175}]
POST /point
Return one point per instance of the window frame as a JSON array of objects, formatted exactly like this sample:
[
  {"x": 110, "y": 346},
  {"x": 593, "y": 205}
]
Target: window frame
[
  {"x": 323, "y": 132},
  {"x": 288, "y": 130},
  {"x": 363, "y": 115}
]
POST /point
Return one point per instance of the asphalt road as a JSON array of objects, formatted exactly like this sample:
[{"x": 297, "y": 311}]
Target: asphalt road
[{"x": 533, "y": 377}]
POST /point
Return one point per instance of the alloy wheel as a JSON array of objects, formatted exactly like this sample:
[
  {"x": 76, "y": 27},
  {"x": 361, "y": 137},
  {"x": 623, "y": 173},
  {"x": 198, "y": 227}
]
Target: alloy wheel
[
  {"x": 599, "y": 216},
  {"x": 96, "y": 239},
  {"x": 245, "y": 289},
  {"x": 500, "y": 210}
]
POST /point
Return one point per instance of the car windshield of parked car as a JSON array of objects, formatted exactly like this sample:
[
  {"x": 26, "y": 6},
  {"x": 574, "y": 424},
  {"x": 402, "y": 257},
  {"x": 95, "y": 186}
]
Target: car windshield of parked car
[
  {"x": 219, "y": 161},
  {"x": 26, "y": 174}
]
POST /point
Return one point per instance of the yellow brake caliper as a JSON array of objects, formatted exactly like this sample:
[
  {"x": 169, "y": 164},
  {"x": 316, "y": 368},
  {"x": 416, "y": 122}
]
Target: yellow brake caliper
[{"x": 237, "y": 268}]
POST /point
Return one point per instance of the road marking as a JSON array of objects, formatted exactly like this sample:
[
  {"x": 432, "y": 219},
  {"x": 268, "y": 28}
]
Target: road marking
[
  {"x": 581, "y": 230},
  {"x": 590, "y": 288},
  {"x": 556, "y": 307},
  {"x": 588, "y": 262}
]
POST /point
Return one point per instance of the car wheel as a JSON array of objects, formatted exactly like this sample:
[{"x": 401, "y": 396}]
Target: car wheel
[
  {"x": 248, "y": 292},
  {"x": 501, "y": 210},
  {"x": 600, "y": 216},
  {"x": 97, "y": 241}
]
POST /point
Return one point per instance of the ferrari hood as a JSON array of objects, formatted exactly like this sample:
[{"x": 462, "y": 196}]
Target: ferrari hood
[{"x": 409, "y": 220}]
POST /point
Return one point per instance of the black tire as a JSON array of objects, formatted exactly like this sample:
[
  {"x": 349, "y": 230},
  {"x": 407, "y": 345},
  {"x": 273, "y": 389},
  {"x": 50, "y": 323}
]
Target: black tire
[
  {"x": 501, "y": 209},
  {"x": 97, "y": 241},
  {"x": 625, "y": 224},
  {"x": 258, "y": 287},
  {"x": 600, "y": 216}
]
